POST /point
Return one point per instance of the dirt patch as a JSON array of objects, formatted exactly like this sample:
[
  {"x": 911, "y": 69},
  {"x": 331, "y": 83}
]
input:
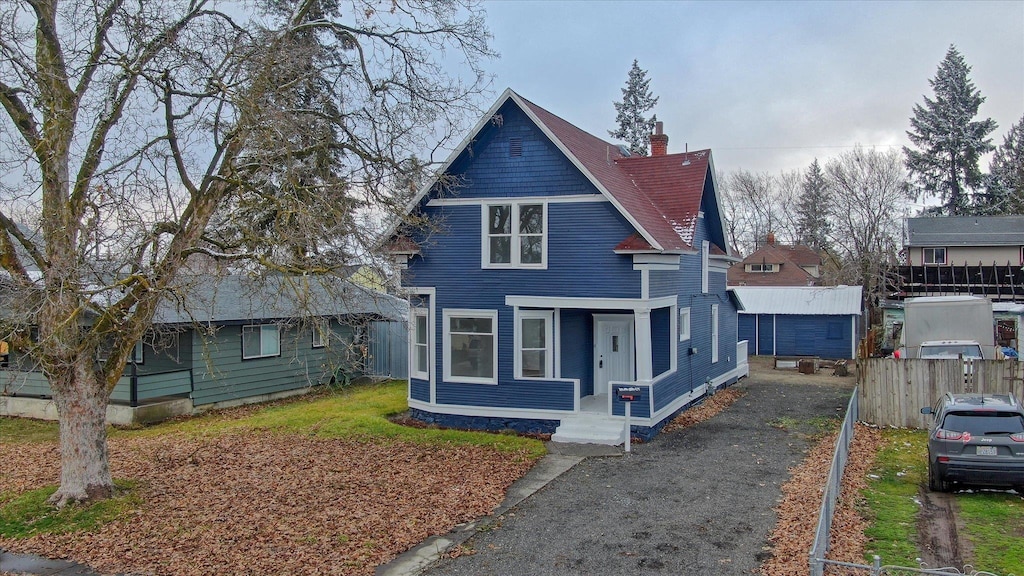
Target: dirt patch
[
  {"x": 938, "y": 531},
  {"x": 708, "y": 409}
]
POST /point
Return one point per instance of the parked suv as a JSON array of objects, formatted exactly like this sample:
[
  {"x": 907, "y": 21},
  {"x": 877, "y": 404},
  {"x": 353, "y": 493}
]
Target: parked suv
[{"x": 976, "y": 439}]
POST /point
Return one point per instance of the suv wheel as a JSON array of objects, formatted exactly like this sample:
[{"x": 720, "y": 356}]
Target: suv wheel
[{"x": 935, "y": 484}]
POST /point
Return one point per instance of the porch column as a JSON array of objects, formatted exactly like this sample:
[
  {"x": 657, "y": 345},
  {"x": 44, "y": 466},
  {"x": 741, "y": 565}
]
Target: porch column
[{"x": 644, "y": 356}]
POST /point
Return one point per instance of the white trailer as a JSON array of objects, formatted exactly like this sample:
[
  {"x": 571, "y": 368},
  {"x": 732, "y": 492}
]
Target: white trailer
[{"x": 950, "y": 318}]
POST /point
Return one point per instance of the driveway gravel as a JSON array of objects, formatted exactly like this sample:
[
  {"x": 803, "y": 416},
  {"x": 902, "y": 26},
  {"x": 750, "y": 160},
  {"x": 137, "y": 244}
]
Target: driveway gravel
[{"x": 695, "y": 501}]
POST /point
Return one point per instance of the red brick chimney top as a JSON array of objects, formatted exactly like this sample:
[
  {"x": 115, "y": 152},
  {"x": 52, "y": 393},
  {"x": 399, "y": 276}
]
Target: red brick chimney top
[{"x": 659, "y": 141}]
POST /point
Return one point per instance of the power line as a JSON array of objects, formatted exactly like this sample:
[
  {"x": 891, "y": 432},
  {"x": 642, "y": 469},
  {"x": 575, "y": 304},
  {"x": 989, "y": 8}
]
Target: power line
[{"x": 806, "y": 147}]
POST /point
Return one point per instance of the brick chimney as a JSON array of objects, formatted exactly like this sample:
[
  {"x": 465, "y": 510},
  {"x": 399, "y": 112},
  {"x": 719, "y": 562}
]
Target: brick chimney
[
  {"x": 770, "y": 240},
  {"x": 659, "y": 141}
]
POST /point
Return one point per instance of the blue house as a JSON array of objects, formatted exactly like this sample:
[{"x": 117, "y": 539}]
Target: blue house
[{"x": 557, "y": 266}]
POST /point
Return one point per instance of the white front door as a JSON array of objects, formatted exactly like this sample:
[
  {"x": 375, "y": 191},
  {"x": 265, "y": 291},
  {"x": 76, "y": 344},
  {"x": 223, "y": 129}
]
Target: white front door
[{"x": 613, "y": 351}]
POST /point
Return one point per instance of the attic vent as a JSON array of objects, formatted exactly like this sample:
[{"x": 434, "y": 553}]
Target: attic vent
[{"x": 515, "y": 147}]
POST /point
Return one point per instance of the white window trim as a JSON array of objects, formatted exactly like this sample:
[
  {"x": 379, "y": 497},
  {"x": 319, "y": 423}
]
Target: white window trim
[
  {"x": 514, "y": 246},
  {"x": 924, "y": 252},
  {"x": 263, "y": 329},
  {"x": 321, "y": 334},
  {"x": 684, "y": 324},
  {"x": 714, "y": 333},
  {"x": 447, "y": 352},
  {"x": 705, "y": 249},
  {"x": 549, "y": 337},
  {"x": 413, "y": 344}
]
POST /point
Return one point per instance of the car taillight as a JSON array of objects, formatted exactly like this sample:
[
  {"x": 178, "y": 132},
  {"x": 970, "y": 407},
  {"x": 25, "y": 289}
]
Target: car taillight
[
  {"x": 941, "y": 434},
  {"x": 1018, "y": 437}
]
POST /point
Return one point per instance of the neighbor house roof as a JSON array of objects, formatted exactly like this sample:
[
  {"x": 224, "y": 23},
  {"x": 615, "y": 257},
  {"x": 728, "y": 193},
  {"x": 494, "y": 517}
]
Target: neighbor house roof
[
  {"x": 238, "y": 298},
  {"x": 965, "y": 231},
  {"x": 659, "y": 195},
  {"x": 790, "y": 259},
  {"x": 800, "y": 300}
]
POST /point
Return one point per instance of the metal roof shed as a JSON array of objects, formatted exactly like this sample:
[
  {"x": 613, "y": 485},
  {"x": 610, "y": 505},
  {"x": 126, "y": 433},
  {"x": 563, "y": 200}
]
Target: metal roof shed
[{"x": 800, "y": 320}]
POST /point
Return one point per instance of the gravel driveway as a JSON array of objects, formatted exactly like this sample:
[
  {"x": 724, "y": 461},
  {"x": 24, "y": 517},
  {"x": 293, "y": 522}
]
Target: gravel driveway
[{"x": 695, "y": 501}]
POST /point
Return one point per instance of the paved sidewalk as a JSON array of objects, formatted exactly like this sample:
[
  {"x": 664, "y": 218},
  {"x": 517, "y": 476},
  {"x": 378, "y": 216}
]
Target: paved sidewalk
[{"x": 37, "y": 565}]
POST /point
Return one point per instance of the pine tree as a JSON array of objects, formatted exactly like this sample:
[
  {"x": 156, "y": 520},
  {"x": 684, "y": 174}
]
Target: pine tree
[
  {"x": 1005, "y": 184},
  {"x": 949, "y": 140},
  {"x": 637, "y": 99},
  {"x": 813, "y": 225}
]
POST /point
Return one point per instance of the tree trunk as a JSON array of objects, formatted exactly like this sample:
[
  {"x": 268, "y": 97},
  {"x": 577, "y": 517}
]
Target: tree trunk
[{"x": 81, "y": 401}]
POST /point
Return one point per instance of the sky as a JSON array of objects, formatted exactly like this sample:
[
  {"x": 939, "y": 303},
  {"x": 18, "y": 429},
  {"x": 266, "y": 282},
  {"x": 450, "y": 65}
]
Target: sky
[{"x": 768, "y": 86}]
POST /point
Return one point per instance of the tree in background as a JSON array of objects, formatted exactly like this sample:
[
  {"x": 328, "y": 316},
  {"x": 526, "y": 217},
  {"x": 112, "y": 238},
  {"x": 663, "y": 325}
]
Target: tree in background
[
  {"x": 812, "y": 218},
  {"x": 763, "y": 200},
  {"x": 867, "y": 204},
  {"x": 140, "y": 138},
  {"x": 1005, "y": 185},
  {"x": 637, "y": 100},
  {"x": 950, "y": 141}
]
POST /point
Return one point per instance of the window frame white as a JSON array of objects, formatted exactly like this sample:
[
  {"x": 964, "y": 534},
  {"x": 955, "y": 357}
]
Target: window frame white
[
  {"x": 515, "y": 236},
  {"x": 763, "y": 268},
  {"x": 549, "y": 343},
  {"x": 263, "y": 329},
  {"x": 447, "y": 343},
  {"x": 321, "y": 334},
  {"x": 715, "y": 333},
  {"x": 705, "y": 249},
  {"x": 415, "y": 314},
  {"x": 924, "y": 256},
  {"x": 136, "y": 357},
  {"x": 684, "y": 324}
]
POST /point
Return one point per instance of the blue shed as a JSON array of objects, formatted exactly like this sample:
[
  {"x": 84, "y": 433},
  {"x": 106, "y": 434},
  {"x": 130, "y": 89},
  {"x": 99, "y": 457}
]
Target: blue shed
[{"x": 818, "y": 321}]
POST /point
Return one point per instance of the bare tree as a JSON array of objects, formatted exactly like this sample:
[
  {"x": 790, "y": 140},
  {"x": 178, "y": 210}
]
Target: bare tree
[
  {"x": 762, "y": 204},
  {"x": 867, "y": 202},
  {"x": 143, "y": 137}
]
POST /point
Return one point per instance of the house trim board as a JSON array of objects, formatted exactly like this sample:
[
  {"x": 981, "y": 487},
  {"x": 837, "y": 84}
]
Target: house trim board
[
  {"x": 548, "y": 302},
  {"x": 566, "y": 199}
]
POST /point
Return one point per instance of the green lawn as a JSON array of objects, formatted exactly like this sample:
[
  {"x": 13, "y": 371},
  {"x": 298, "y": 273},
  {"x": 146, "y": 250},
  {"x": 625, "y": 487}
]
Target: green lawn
[{"x": 993, "y": 521}]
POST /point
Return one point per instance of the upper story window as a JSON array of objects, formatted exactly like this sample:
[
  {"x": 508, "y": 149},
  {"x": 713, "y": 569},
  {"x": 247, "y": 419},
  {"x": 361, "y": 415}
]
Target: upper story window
[
  {"x": 934, "y": 255},
  {"x": 761, "y": 268},
  {"x": 514, "y": 235}
]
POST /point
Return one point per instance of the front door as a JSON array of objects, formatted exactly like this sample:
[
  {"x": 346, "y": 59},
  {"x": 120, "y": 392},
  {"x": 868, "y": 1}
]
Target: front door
[{"x": 613, "y": 351}]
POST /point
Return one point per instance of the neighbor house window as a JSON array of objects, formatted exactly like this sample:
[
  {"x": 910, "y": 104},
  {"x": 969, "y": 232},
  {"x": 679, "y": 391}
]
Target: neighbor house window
[
  {"x": 136, "y": 356},
  {"x": 934, "y": 255},
  {"x": 534, "y": 340},
  {"x": 471, "y": 346},
  {"x": 261, "y": 341},
  {"x": 761, "y": 267},
  {"x": 321, "y": 334},
  {"x": 420, "y": 348},
  {"x": 514, "y": 235},
  {"x": 684, "y": 324},
  {"x": 714, "y": 333}
]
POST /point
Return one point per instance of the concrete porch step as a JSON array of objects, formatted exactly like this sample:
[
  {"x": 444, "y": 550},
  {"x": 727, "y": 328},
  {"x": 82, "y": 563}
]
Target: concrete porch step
[{"x": 590, "y": 429}]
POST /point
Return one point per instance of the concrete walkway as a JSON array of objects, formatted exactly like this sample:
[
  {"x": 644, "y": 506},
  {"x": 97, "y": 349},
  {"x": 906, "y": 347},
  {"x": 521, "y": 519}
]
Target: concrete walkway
[{"x": 37, "y": 565}]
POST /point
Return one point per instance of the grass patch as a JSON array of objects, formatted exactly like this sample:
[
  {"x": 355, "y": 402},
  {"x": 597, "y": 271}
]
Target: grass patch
[
  {"x": 27, "y": 430},
  {"x": 891, "y": 497},
  {"x": 813, "y": 427},
  {"x": 994, "y": 522},
  {"x": 356, "y": 412},
  {"x": 28, "y": 514}
]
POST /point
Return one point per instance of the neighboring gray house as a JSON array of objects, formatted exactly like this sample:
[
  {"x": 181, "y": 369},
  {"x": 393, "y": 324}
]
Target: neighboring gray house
[
  {"x": 970, "y": 255},
  {"x": 230, "y": 340},
  {"x": 800, "y": 321}
]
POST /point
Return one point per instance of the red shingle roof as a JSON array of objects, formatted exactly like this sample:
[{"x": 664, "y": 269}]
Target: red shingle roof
[{"x": 660, "y": 195}]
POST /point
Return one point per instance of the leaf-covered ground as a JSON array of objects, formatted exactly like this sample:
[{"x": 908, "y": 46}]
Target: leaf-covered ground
[{"x": 257, "y": 502}]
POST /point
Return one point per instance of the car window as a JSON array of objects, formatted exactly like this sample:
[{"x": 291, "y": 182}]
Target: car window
[
  {"x": 951, "y": 351},
  {"x": 984, "y": 423}
]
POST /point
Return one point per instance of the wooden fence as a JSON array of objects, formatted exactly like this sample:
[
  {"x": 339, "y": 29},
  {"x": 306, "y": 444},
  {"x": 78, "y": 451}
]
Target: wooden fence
[{"x": 892, "y": 392}]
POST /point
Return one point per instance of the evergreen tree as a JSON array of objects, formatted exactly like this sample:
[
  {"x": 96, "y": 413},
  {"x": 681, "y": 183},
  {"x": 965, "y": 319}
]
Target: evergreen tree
[
  {"x": 637, "y": 99},
  {"x": 813, "y": 225},
  {"x": 1005, "y": 185},
  {"x": 949, "y": 140}
]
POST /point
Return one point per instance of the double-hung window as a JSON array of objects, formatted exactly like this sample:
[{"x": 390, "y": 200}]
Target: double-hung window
[
  {"x": 321, "y": 334},
  {"x": 420, "y": 348},
  {"x": 684, "y": 324},
  {"x": 534, "y": 344},
  {"x": 471, "y": 346},
  {"x": 514, "y": 235},
  {"x": 261, "y": 341},
  {"x": 934, "y": 255}
]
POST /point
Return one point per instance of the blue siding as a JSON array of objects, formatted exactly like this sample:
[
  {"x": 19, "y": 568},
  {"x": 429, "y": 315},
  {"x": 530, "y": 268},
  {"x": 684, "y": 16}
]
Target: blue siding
[
  {"x": 577, "y": 348},
  {"x": 664, "y": 283},
  {"x": 419, "y": 390},
  {"x": 824, "y": 336},
  {"x": 747, "y": 330},
  {"x": 661, "y": 339},
  {"x": 765, "y": 334}
]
